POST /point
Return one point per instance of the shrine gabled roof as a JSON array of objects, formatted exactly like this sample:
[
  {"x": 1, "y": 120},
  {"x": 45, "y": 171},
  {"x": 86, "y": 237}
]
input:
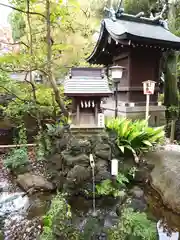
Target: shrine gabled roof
[
  {"x": 87, "y": 86},
  {"x": 139, "y": 30}
]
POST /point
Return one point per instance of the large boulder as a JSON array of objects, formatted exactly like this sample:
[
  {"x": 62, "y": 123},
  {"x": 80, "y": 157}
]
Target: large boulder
[
  {"x": 165, "y": 176},
  {"x": 29, "y": 181}
]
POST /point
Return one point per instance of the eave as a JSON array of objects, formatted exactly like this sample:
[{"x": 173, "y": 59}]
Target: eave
[
  {"x": 103, "y": 53},
  {"x": 88, "y": 94}
]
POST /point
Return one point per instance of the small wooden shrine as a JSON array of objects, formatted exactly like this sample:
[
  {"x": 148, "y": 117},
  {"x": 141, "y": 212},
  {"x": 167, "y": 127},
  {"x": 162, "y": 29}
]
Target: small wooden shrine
[
  {"x": 86, "y": 87},
  {"x": 136, "y": 43}
]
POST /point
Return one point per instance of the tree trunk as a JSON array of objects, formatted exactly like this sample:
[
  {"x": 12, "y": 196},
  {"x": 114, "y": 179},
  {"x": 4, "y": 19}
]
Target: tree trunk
[
  {"x": 49, "y": 63},
  {"x": 170, "y": 89},
  {"x": 38, "y": 117}
]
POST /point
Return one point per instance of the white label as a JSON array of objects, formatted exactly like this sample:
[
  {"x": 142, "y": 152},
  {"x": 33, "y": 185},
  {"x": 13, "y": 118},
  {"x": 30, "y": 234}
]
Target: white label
[
  {"x": 114, "y": 167},
  {"x": 101, "y": 120}
]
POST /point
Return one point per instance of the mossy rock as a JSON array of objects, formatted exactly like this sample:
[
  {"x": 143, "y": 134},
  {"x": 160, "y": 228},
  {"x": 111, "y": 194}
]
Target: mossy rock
[{"x": 1, "y": 235}]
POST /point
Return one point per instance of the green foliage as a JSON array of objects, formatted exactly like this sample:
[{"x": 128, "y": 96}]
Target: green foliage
[
  {"x": 16, "y": 158},
  {"x": 54, "y": 129},
  {"x": 106, "y": 187},
  {"x": 170, "y": 87},
  {"x": 18, "y": 25},
  {"x": 134, "y": 7},
  {"x": 58, "y": 217},
  {"x": 133, "y": 225},
  {"x": 132, "y": 172},
  {"x": 57, "y": 129},
  {"x": 44, "y": 146},
  {"x": 22, "y": 139},
  {"x": 91, "y": 229},
  {"x": 24, "y": 105},
  {"x": 135, "y": 136},
  {"x": 71, "y": 42}
]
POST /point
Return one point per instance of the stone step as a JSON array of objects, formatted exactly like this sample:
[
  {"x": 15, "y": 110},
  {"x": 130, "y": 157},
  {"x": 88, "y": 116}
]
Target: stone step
[{"x": 83, "y": 132}]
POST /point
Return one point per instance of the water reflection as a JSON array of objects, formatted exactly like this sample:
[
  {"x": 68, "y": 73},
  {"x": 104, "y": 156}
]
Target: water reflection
[
  {"x": 13, "y": 202},
  {"x": 164, "y": 233},
  {"x": 157, "y": 211},
  {"x": 83, "y": 215}
]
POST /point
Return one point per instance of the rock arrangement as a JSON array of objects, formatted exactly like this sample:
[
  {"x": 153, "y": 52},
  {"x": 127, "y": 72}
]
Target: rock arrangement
[{"x": 71, "y": 168}]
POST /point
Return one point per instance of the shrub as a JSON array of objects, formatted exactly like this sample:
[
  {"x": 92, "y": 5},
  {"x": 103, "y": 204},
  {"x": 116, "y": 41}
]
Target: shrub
[
  {"x": 135, "y": 136},
  {"x": 107, "y": 188},
  {"x": 57, "y": 222},
  {"x": 16, "y": 158},
  {"x": 133, "y": 225}
]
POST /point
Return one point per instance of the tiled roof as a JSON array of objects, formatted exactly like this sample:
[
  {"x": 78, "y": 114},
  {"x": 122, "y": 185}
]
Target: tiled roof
[
  {"x": 140, "y": 29},
  {"x": 130, "y": 31},
  {"x": 86, "y": 86}
]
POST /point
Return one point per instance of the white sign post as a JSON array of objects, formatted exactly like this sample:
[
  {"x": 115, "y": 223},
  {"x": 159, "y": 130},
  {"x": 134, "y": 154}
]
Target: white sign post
[
  {"x": 148, "y": 88},
  {"x": 114, "y": 167},
  {"x": 101, "y": 120}
]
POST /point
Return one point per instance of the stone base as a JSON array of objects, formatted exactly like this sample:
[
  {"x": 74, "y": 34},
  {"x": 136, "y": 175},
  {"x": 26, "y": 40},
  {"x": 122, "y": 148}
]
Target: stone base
[
  {"x": 157, "y": 113},
  {"x": 85, "y": 131}
]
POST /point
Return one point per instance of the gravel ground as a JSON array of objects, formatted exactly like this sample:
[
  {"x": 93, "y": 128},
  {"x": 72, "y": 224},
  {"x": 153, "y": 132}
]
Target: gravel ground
[
  {"x": 6, "y": 178},
  {"x": 19, "y": 227}
]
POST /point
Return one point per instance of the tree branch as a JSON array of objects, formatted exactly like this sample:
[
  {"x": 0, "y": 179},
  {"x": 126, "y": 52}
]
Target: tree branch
[
  {"x": 23, "y": 11},
  {"x": 7, "y": 90},
  {"x": 17, "y": 43}
]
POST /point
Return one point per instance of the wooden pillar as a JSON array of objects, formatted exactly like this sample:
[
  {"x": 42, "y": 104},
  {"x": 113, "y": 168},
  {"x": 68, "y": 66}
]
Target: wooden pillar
[
  {"x": 96, "y": 113},
  {"x": 77, "y": 114}
]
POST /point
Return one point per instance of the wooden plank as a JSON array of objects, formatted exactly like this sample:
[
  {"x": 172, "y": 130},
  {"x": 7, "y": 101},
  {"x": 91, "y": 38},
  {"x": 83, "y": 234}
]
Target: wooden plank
[{"x": 18, "y": 145}]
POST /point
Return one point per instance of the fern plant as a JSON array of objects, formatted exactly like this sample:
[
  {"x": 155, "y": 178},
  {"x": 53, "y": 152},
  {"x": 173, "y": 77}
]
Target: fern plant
[
  {"x": 135, "y": 136},
  {"x": 107, "y": 188},
  {"x": 133, "y": 225}
]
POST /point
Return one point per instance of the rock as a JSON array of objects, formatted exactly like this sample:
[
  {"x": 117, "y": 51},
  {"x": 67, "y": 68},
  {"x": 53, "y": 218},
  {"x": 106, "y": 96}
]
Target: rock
[
  {"x": 102, "y": 175},
  {"x": 165, "y": 176},
  {"x": 143, "y": 173},
  {"x": 78, "y": 174},
  {"x": 79, "y": 146},
  {"x": 71, "y": 161},
  {"x": 55, "y": 160},
  {"x": 138, "y": 204},
  {"x": 74, "y": 163},
  {"x": 30, "y": 181},
  {"x": 61, "y": 144},
  {"x": 101, "y": 164},
  {"x": 57, "y": 178},
  {"x": 103, "y": 151},
  {"x": 137, "y": 192}
]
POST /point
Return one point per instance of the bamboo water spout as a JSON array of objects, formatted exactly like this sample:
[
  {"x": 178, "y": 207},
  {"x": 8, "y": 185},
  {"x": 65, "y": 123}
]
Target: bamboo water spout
[{"x": 92, "y": 164}]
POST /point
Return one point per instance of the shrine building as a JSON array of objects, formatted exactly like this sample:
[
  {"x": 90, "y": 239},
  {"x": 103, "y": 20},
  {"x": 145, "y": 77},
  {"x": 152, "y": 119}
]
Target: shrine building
[
  {"x": 137, "y": 44},
  {"x": 86, "y": 87}
]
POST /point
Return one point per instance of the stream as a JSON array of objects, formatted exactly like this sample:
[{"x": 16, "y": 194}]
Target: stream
[{"x": 21, "y": 215}]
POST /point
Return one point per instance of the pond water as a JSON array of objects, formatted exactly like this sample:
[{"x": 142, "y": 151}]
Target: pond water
[
  {"x": 83, "y": 212},
  {"x": 18, "y": 210},
  {"x": 157, "y": 211}
]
